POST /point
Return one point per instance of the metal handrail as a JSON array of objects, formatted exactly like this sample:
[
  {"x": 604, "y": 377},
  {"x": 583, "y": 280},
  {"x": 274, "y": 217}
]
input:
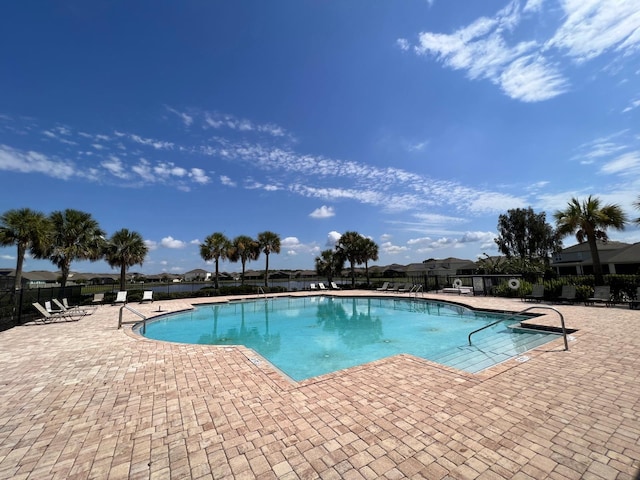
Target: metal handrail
[
  {"x": 144, "y": 319},
  {"x": 564, "y": 330}
]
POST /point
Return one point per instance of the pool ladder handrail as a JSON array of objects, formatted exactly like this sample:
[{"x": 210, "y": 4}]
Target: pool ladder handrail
[
  {"x": 261, "y": 290},
  {"x": 144, "y": 319},
  {"x": 564, "y": 330},
  {"x": 417, "y": 288}
]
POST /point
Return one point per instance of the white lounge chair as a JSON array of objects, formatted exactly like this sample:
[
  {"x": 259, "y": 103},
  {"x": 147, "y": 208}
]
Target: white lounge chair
[
  {"x": 334, "y": 286},
  {"x": 147, "y": 296},
  {"x": 384, "y": 287},
  {"x": 84, "y": 308},
  {"x": 74, "y": 310},
  {"x": 121, "y": 297},
  {"x": 98, "y": 298},
  {"x": 50, "y": 309},
  {"x": 48, "y": 316},
  {"x": 321, "y": 286},
  {"x": 313, "y": 286}
]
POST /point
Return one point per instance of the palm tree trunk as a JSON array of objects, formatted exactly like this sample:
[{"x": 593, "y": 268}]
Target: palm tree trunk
[
  {"x": 353, "y": 275},
  {"x": 123, "y": 277},
  {"x": 17, "y": 284},
  {"x": 266, "y": 272},
  {"x": 217, "y": 286},
  {"x": 595, "y": 258}
]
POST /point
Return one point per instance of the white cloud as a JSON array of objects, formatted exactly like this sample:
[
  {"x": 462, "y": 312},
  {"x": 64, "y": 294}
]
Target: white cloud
[
  {"x": 592, "y": 27},
  {"x": 633, "y": 105},
  {"x": 332, "y": 238},
  {"x": 323, "y": 212},
  {"x": 151, "y": 245},
  {"x": 524, "y": 70},
  {"x": 186, "y": 118},
  {"x": 626, "y": 164},
  {"x": 170, "y": 242},
  {"x": 390, "y": 249},
  {"x": 531, "y": 79},
  {"x": 157, "y": 144},
  {"x": 115, "y": 166},
  {"x": 15, "y": 160},
  {"x": 403, "y": 43},
  {"x": 199, "y": 176},
  {"x": 227, "y": 181}
]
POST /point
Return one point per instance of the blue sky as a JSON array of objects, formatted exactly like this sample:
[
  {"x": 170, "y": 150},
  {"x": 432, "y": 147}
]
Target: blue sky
[{"x": 413, "y": 122}]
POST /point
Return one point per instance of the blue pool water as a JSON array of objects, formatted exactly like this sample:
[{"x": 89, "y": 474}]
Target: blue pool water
[{"x": 309, "y": 336}]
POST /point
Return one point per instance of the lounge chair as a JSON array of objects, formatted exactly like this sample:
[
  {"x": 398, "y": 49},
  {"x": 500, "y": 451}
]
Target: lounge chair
[
  {"x": 59, "y": 315},
  {"x": 98, "y": 298},
  {"x": 87, "y": 309},
  {"x": 634, "y": 302},
  {"x": 50, "y": 309},
  {"x": 536, "y": 295},
  {"x": 321, "y": 286},
  {"x": 121, "y": 297},
  {"x": 601, "y": 294},
  {"x": 313, "y": 286},
  {"x": 568, "y": 294},
  {"x": 74, "y": 310},
  {"x": 334, "y": 286},
  {"x": 405, "y": 287},
  {"x": 147, "y": 296},
  {"x": 384, "y": 287}
]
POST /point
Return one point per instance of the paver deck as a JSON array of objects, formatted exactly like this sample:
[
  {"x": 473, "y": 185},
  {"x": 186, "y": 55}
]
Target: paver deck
[{"x": 84, "y": 400}]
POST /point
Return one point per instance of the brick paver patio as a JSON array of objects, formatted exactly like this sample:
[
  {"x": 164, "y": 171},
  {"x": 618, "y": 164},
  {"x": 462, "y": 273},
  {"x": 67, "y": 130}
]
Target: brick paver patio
[{"x": 86, "y": 400}]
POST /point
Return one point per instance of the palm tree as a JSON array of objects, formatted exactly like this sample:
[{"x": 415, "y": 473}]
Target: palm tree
[
  {"x": 28, "y": 230},
  {"x": 349, "y": 247},
  {"x": 329, "y": 264},
  {"x": 269, "y": 242},
  {"x": 243, "y": 248},
  {"x": 589, "y": 221},
  {"x": 215, "y": 247},
  {"x": 125, "y": 249},
  {"x": 369, "y": 252},
  {"x": 76, "y": 236},
  {"x": 636, "y": 205}
]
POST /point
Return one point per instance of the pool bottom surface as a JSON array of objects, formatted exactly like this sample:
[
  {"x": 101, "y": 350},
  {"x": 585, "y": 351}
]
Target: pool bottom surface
[{"x": 310, "y": 336}]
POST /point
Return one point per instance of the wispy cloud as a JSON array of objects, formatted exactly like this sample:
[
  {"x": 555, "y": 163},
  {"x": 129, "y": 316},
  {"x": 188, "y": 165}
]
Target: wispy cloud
[
  {"x": 15, "y": 160},
  {"x": 533, "y": 70}
]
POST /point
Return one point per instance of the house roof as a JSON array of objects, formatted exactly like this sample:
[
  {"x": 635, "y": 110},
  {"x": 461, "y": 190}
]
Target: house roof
[{"x": 629, "y": 254}]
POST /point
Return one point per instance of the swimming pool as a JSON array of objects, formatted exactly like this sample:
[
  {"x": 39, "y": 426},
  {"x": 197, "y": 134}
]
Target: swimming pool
[{"x": 309, "y": 336}]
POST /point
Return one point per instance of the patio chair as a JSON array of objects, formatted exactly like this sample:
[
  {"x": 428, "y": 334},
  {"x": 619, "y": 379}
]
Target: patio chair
[
  {"x": 405, "y": 287},
  {"x": 98, "y": 298},
  {"x": 313, "y": 286},
  {"x": 50, "y": 317},
  {"x": 121, "y": 298},
  {"x": 536, "y": 295},
  {"x": 568, "y": 294},
  {"x": 634, "y": 302},
  {"x": 384, "y": 287},
  {"x": 322, "y": 286},
  {"x": 601, "y": 294},
  {"x": 86, "y": 308},
  {"x": 147, "y": 296},
  {"x": 334, "y": 286},
  {"x": 74, "y": 310}
]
